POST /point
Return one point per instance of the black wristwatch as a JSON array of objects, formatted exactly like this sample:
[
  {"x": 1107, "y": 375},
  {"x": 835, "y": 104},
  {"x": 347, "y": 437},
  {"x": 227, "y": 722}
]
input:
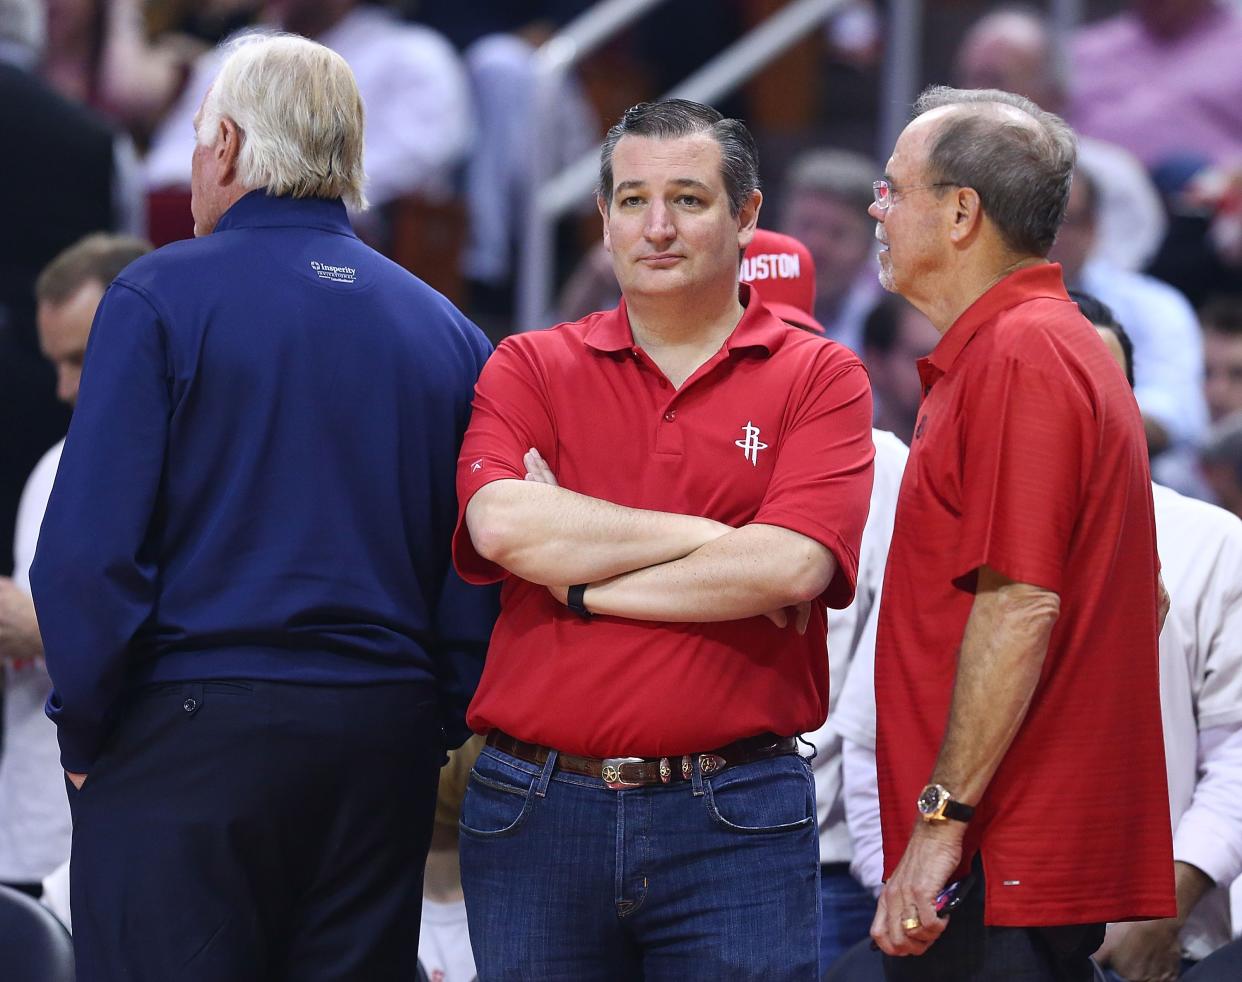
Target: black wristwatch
[
  {"x": 936, "y": 804},
  {"x": 575, "y": 601}
]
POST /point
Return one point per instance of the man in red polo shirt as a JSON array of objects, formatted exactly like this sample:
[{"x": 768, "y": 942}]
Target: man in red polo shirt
[
  {"x": 699, "y": 476},
  {"x": 1018, "y": 742}
]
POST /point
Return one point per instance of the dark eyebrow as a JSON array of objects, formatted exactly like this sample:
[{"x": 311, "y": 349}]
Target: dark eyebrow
[{"x": 682, "y": 182}]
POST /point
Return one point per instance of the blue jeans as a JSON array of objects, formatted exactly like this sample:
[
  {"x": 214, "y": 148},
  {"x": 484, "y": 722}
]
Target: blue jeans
[
  {"x": 848, "y": 909},
  {"x": 715, "y": 878}
]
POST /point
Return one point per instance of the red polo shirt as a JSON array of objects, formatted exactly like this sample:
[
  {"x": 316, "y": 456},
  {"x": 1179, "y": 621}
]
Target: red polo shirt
[
  {"x": 775, "y": 428},
  {"x": 1029, "y": 457}
]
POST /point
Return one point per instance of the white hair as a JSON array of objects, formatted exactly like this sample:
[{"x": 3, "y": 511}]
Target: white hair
[{"x": 300, "y": 115}]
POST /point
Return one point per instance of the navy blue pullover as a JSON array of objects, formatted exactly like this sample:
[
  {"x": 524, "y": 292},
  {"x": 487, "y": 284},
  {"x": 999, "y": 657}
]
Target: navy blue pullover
[{"x": 258, "y": 481}]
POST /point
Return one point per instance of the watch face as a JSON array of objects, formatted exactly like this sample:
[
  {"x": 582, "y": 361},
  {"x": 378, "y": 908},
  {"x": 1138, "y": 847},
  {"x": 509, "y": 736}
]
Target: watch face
[{"x": 929, "y": 800}]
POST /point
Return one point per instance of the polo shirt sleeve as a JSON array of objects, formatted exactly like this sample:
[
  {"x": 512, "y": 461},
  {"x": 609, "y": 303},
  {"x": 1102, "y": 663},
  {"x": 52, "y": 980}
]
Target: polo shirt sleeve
[
  {"x": 821, "y": 484},
  {"x": 1025, "y": 434},
  {"x": 511, "y": 414}
]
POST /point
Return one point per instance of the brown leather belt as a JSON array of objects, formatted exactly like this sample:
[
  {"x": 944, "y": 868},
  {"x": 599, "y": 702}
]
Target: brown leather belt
[{"x": 620, "y": 773}]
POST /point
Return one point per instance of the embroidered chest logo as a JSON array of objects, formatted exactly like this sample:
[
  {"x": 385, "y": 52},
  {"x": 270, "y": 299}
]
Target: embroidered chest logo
[{"x": 750, "y": 444}]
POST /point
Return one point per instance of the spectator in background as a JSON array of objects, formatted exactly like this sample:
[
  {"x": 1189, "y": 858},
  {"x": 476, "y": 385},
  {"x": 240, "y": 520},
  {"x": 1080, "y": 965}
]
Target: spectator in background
[
  {"x": 1015, "y": 50},
  {"x": 98, "y": 55},
  {"x": 1222, "y": 461},
  {"x": 66, "y": 174},
  {"x": 782, "y": 271},
  {"x": 1201, "y": 714},
  {"x": 1222, "y": 356},
  {"x": 34, "y": 815},
  {"x": 895, "y": 336},
  {"x": 1162, "y": 79},
  {"x": 826, "y": 197},
  {"x": 1168, "y": 346},
  {"x": 419, "y": 116}
]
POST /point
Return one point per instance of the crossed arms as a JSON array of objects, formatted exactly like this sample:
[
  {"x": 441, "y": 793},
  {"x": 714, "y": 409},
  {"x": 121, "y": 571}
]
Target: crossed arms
[{"x": 644, "y": 565}]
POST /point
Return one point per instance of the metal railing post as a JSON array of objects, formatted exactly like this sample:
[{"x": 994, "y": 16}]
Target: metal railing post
[
  {"x": 903, "y": 69},
  {"x": 553, "y": 61}
]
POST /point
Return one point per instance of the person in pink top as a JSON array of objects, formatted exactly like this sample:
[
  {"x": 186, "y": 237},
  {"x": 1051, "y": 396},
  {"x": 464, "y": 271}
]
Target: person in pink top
[{"x": 1162, "y": 79}]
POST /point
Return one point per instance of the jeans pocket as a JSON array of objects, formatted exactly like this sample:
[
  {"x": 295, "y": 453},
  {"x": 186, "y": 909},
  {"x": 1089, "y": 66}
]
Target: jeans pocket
[
  {"x": 498, "y": 800},
  {"x": 768, "y": 796}
]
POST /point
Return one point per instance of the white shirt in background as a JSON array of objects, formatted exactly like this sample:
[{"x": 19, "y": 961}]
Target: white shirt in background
[
  {"x": 35, "y": 825},
  {"x": 444, "y": 942},
  {"x": 850, "y": 632}
]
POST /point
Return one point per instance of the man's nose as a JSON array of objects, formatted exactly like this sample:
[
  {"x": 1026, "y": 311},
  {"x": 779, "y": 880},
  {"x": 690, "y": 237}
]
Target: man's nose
[
  {"x": 874, "y": 211},
  {"x": 660, "y": 227}
]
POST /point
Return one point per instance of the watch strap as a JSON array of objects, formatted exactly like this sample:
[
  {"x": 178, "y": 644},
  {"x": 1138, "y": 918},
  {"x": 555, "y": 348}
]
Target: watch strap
[{"x": 575, "y": 600}]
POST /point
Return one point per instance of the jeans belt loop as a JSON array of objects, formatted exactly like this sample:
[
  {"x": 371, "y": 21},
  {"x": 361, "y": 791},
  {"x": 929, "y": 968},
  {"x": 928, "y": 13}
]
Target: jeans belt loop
[
  {"x": 545, "y": 775},
  {"x": 696, "y": 773}
]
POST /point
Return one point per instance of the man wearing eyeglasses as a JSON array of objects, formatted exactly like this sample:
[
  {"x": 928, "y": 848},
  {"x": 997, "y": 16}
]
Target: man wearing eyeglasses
[{"x": 1018, "y": 721}]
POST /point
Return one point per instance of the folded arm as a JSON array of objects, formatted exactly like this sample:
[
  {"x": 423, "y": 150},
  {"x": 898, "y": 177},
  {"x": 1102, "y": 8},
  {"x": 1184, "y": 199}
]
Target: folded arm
[
  {"x": 547, "y": 534},
  {"x": 746, "y": 573}
]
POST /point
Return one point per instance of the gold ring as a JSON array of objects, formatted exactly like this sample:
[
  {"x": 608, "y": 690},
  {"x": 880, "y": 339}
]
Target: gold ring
[{"x": 911, "y": 924}]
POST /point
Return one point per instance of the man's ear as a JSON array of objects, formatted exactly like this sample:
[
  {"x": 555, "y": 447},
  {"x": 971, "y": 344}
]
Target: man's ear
[
  {"x": 228, "y": 149},
  {"x": 748, "y": 218},
  {"x": 602, "y": 205},
  {"x": 967, "y": 215}
]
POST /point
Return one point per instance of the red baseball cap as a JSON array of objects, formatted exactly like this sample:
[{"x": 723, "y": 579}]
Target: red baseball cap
[{"x": 782, "y": 270}]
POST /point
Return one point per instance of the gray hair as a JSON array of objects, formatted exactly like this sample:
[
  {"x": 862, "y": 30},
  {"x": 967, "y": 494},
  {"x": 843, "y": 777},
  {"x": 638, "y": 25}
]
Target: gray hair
[
  {"x": 840, "y": 174},
  {"x": 674, "y": 118},
  {"x": 1022, "y": 172},
  {"x": 300, "y": 115},
  {"x": 24, "y": 23}
]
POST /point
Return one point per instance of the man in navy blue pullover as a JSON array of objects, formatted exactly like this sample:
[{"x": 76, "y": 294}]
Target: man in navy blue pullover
[{"x": 243, "y": 582}]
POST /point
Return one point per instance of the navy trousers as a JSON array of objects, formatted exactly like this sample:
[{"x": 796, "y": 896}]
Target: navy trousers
[
  {"x": 970, "y": 951},
  {"x": 242, "y": 831}
]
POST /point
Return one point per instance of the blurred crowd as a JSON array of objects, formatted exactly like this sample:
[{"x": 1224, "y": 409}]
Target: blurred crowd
[{"x": 99, "y": 98}]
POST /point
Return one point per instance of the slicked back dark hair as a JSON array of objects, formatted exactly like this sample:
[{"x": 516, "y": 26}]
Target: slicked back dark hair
[
  {"x": 1101, "y": 316},
  {"x": 1022, "y": 172},
  {"x": 675, "y": 118}
]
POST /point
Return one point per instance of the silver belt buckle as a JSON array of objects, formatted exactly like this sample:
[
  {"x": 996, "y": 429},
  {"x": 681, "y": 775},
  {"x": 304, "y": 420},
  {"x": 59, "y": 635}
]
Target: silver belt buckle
[{"x": 610, "y": 772}]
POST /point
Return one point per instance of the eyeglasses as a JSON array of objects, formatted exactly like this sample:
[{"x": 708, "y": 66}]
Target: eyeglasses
[{"x": 886, "y": 192}]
